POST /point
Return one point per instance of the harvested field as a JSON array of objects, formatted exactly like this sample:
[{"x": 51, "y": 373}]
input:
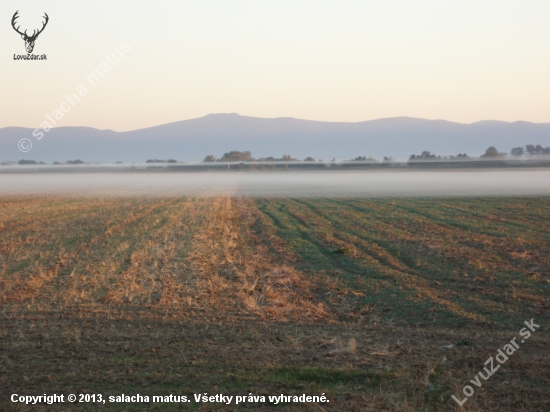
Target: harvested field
[{"x": 353, "y": 298}]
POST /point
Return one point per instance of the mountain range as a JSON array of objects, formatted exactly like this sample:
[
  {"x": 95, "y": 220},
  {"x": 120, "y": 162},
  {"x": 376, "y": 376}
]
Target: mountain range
[{"x": 191, "y": 140}]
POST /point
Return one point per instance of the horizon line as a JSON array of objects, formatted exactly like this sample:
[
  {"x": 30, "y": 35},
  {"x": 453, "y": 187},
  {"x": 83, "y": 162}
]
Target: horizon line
[{"x": 286, "y": 118}]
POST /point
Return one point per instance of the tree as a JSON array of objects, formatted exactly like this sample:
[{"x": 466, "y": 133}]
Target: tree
[
  {"x": 517, "y": 151},
  {"x": 364, "y": 159},
  {"x": 424, "y": 156},
  {"x": 288, "y": 158},
  {"x": 493, "y": 152},
  {"x": 531, "y": 149},
  {"x": 460, "y": 156},
  {"x": 309, "y": 159},
  {"x": 236, "y": 156},
  {"x": 209, "y": 158}
]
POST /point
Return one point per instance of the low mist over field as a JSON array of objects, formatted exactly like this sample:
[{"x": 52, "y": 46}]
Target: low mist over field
[{"x": 281, "y": 184}]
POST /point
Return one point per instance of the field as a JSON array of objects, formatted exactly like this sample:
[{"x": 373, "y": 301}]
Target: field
[{"x": 353, "y": 298}]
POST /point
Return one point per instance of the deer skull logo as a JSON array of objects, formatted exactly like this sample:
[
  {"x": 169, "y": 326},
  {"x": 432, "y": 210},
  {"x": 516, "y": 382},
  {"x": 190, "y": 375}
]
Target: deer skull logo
[{"x": 29, "y": 40}]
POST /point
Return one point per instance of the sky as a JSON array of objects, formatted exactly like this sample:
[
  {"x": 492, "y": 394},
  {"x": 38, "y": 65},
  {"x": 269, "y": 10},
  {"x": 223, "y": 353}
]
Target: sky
[{"x": 345, "y": 60}]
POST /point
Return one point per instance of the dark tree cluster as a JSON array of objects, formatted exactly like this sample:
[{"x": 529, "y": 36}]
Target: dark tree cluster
[
  {"x": 492, "y": 152},
  {"x": 285, "y": 158},
  {"x": 424, "y": 156},
  {"x": 209, "y": 158},
  {"x": 460, "y": 156},
  {"x": 161, "y": 161},
  {"x": 30, "y": 162},
  {"x": 530, "y": 150},
  {"x": 363, "y": 159},
  {"x": 517, "y": 151},
  {"x": 237, "y": 156}
]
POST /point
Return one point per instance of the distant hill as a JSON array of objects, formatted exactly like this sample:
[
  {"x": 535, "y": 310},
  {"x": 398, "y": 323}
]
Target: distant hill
[{"x": 191, "y": 140}]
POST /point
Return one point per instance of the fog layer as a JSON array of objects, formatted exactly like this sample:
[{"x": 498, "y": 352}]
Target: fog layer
[{"x": 282, "y": 184}]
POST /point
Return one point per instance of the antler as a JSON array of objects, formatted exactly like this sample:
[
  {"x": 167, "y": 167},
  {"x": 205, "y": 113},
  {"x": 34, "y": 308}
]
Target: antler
[
  {"x": 15, "y": 17},
  {"x": 34, "y": 33},
  {"x": 43, "y": 25}
]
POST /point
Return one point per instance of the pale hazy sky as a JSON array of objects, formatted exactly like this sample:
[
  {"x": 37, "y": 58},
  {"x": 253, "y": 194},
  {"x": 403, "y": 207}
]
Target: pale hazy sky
[{"x": 345, "y": 60}]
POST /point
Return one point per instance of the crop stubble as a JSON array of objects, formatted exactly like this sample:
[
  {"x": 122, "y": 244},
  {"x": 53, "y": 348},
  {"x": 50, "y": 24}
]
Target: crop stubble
[{"x": 354, "y": 298}]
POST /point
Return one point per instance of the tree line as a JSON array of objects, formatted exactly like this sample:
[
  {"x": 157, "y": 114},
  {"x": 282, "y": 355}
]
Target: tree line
[
  {"x": 246, "y": 156},
  {"x": 527, "y": 151},
  {"x": 491, "y": 153}
]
